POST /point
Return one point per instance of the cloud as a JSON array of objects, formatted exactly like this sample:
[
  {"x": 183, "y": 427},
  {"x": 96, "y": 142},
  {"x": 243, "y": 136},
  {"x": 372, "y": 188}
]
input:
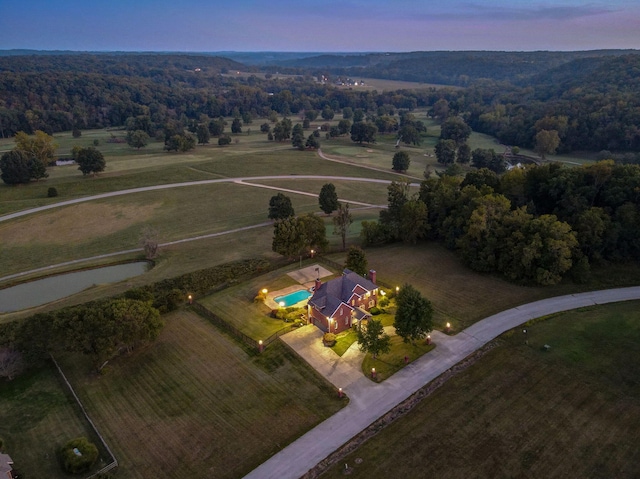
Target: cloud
[{"x": 528, "y": 12}]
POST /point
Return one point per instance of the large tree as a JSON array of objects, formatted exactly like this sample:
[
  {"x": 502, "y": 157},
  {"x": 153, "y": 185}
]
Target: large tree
[
  {"x": 362, "y": 132},
  {"x": 401, "y": 161},
  {"x": 445, "y": 152},
  {"x": 15, "y": 166},
  {"x": 180, "y": 142},
  {"x": 328, "y": 198},
  {"x": 341, "y": 223},
  {"x": 357, "y": 260},
  {"x": 372, "y": 338},
  {"x": 280, "y": 207},
  {"x": 40, "y": 146},
  {"x": 313, "y": 231},
  {"x": 397, "y": 196},
  {"x": 137, "y": 139},
  {"x": 409, "y": 135},
  {"x": 236, "y": 126},
  {"x": 547, "y": 142},
  {"x": 203, "y": 133},
  {"x": 103, "y": 332},
  {"x": 312, "y": 142},
  {"x": 288, "y": 238},
  {"x": 413, "y": 221},
  {"x": 89, "y": 160},
  {"x": 413, "y": 314},
  {"x": 455, "y": 128}
]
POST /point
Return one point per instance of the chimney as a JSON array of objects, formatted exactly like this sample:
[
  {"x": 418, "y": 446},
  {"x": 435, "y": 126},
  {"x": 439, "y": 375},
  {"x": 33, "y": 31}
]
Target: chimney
[
  {"x": 317, "y": 286},
  {"x": 372, "y": 276}
]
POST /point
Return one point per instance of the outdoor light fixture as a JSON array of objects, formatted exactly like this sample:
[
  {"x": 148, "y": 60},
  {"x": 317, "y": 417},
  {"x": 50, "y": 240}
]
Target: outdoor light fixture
[
  {"x": 281, "y": 304},
  {"x": 397, "y": 288},
  {"x": 265, "y": 291}
]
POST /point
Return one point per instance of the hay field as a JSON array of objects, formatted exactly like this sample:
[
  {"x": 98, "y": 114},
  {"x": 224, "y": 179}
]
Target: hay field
[{"x": 194, "y": 404}]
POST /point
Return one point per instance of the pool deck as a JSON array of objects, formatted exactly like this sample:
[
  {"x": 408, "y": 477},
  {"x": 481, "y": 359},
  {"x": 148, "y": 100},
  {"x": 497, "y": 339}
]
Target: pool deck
[
  {"x": 271, "y": 295},
  {"x": 305, "y": 276}
]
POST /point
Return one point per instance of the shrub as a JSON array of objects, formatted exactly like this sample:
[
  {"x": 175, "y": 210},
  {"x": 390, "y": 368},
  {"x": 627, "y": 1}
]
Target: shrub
[
  {"x": 78, "y": 455},
  {"x": 384, "y": 302},
  {"x": 375, "y": 311},
  {"x": 329, "y": 339},
  {"x": 52, "y": 192},
  {"x": 96, "y": 142}
]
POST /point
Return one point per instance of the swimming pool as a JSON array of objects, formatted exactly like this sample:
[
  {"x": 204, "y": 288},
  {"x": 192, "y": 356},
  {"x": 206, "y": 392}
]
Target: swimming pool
[{"x": 293, "y": 298}]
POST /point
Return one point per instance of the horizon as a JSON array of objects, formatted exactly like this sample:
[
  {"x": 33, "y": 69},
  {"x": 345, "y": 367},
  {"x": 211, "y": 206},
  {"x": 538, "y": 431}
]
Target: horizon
[{"x": 353, "y": 26}]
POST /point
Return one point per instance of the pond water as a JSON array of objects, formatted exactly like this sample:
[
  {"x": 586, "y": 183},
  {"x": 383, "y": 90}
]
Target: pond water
[{"x": 42, "y": 291}]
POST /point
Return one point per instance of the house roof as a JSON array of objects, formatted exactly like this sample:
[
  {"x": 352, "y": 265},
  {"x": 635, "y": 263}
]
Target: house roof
[
  {"x": 333, "y": 293},
  {"x": 5, "y": 464}
]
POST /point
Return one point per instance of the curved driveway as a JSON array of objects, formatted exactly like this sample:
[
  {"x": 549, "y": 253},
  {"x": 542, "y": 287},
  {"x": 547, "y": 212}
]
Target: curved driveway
[
  {"x": 370, "y": 401},
  {"x": 190, "y": 183}
]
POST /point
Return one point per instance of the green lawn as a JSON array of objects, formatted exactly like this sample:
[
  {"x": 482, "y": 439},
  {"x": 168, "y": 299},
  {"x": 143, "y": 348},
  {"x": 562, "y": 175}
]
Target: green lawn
[
  {"x": 194, "y": 404},
  {"x": 37, "y": 417},
  {"x": 520, "y": 411},
  {"x": 344, "y": 340},
  {"x": 236, "y": 304},
  {"x": 401, "y": 354}
]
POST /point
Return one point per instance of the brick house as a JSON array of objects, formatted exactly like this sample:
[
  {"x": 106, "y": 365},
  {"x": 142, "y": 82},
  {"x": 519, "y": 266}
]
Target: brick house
[
  {"x": 6, "y": 471},
  {"x": 342, "y": 302}
]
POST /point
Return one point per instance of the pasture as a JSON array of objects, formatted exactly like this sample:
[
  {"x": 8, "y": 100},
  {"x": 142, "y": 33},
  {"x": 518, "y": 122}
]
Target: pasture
[
  {"x": 196, "y": 404},
  {"x": 521, "y": 411},
  {"x": 36, "y": 418}
]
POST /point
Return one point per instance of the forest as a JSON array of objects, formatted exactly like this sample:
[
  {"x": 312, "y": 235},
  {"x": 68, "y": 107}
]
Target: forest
[{"x": 592, "y": 99}]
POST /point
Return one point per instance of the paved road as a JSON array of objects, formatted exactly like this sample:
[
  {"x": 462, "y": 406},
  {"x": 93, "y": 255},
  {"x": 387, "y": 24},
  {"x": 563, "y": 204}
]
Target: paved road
[
  {"x": 190, "y": 183},
  {"x": 240, "y": 181},
  {"x": 370, "y": 401}
]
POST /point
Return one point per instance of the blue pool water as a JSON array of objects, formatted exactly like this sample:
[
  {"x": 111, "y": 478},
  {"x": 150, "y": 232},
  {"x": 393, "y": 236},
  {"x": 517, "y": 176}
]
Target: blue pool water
[{"x": 293, "y": 298}]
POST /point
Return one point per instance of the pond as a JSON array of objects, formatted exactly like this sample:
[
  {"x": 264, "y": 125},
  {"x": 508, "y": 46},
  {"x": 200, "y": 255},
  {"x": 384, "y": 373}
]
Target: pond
[{"x": 42, "y": 291}]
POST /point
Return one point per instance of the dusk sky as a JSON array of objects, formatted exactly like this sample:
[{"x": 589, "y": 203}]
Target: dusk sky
[{"x": 329, "y": 25}]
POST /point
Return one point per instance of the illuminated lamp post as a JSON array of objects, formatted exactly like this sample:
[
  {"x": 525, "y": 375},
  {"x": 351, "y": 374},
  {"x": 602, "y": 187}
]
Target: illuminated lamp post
[
  {"x": 373, "y": 373},
  {"x": 260, "y": 346},
  {"x": 428, "y": 339},
  {"x": 448, "y": 327},
  {"x": 190, "y": 298}
]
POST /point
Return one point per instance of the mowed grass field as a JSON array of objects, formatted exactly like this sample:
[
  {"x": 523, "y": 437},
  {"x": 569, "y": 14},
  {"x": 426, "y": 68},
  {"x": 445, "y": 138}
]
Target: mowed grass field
[
  {"x": 37, "y": 418},
  {"x": 195, "y": 404},
  {"x": 520, "y": 411},
  {"x": 458, "y": 295}
]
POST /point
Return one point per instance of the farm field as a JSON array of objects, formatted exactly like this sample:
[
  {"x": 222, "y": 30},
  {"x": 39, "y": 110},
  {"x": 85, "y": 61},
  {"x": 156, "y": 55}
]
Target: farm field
[
  {"x": 521, "y": 411},
  {"x": 196, "y": 404},
  {"x": 36, "y": 418}
]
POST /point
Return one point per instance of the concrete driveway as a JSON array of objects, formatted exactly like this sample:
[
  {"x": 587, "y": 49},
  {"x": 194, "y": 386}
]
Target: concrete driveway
[{"x": 370, "y": 401}]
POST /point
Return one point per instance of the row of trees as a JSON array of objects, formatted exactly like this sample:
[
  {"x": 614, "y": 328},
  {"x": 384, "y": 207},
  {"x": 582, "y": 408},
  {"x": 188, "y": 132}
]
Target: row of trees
[
  {"x": 100, "y": 331},
  {"x": 294, "y": 236},
  {"x": 531, "y": 225}
]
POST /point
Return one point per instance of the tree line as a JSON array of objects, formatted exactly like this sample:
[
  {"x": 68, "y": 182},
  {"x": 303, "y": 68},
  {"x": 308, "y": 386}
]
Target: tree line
[
  {"x": 103, "y": 330},
  {"x": 532, "y": 225}
]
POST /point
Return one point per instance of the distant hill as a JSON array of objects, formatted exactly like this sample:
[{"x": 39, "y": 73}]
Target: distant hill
[
  {"x": 125, "y": 64},
  {"x": 452, "y": 68}
]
